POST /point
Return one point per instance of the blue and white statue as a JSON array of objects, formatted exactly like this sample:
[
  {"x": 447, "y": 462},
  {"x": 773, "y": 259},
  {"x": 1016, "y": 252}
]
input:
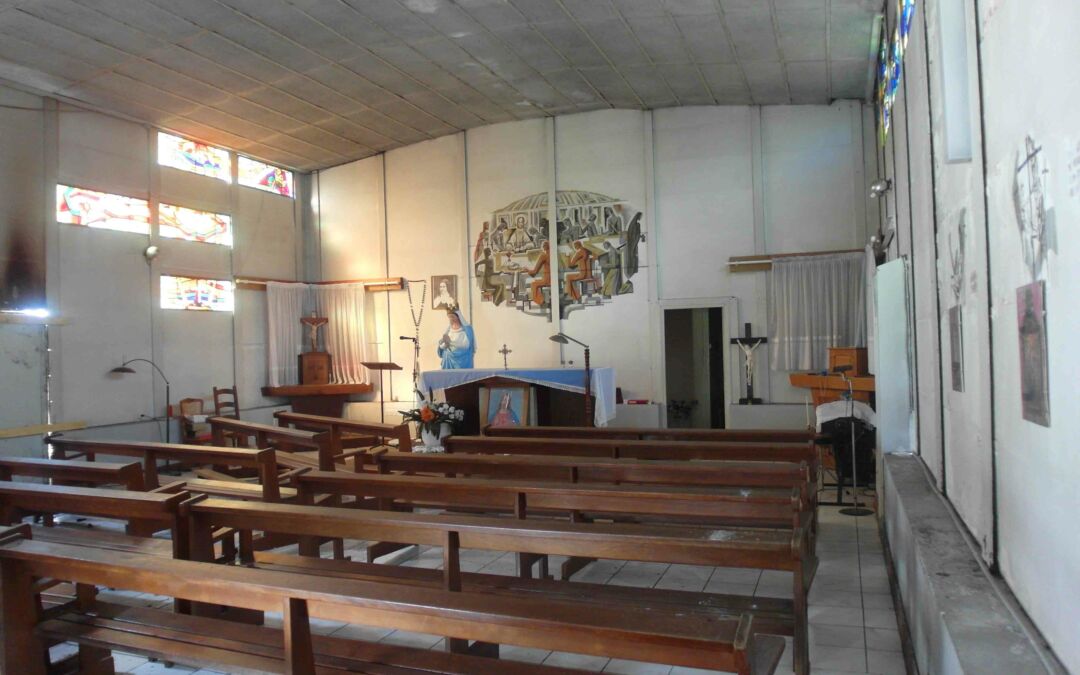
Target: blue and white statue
[{"x": 458, "y": 343}]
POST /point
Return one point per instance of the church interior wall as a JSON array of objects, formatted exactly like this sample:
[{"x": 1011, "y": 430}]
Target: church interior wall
[
  {"x": 106, "y": 292},
  {"x": 693, "y": 167},
  {"x": 1007, "y": 477}
]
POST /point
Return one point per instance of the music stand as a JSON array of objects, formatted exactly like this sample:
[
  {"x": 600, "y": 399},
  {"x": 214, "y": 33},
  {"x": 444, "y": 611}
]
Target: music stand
[{"x": 381, "y": 366}]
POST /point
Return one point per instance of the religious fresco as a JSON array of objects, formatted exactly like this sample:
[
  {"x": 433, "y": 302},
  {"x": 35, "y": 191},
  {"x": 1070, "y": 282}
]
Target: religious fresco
[{"x": 598, "y": 252}]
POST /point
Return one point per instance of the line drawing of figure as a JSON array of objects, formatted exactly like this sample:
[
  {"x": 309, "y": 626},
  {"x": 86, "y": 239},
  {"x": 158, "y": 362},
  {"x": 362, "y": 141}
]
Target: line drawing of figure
[
  {"x": 614, "y": 220},
  {"x": 630, "y": 239},
  {"x": 582, "y": 259},
  {"x": 458, "y": 344},
  {"x": 611, "y": 269},
  {"x": 505, "y": 416},
  {"x": 498, "y": 237},
  {"x": 482, "y": 242},
  {"x": 519, "y": 238},
  {"x": 489, "y": 280},
  {"x": 543, "y": 269}
]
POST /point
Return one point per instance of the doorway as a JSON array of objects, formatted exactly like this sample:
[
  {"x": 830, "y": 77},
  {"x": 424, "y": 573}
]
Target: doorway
[{"x": 694, "y": 359}]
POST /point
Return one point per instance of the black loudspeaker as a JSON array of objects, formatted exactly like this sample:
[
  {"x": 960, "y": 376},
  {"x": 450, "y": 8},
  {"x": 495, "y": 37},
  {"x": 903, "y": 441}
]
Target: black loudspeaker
[{"x": 840, "y": 432}]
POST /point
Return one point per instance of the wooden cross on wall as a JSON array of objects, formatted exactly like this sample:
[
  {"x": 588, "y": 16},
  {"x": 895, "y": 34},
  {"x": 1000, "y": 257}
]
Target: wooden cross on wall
[
  {"x": 748, "y": 343},
  {"x": 505, "y": 352}
]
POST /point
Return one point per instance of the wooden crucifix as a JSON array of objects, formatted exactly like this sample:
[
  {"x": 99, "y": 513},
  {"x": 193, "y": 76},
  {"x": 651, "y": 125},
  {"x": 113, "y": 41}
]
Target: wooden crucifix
[
  {"x": 314, "y": 323},
  {"x": 747, "y": 343},
  {"x": 505, "y": 352}
]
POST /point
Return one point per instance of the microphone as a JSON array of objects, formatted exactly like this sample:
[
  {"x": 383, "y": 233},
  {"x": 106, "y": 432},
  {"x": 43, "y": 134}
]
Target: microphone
[{"x": 406, "y": 337}]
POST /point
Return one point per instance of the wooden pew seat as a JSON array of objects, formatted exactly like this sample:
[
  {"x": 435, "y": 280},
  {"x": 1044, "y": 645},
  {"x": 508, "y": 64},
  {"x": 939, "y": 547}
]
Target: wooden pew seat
[
  {"x": 129, "y": 475},
  {"x": 652, "y": 635},
  {"x": 214, "y": 643}
]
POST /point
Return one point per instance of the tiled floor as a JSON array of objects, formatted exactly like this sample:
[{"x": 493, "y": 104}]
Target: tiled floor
[{"x": 852, "y": 623}]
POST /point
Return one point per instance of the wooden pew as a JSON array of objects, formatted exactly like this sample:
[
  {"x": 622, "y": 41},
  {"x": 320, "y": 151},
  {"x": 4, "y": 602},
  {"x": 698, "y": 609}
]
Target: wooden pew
[
  {"x": 732, "y": 507},
  {"x": 62, "y": 471},
  {"x": 729, "y": 644},
  {"x": 599, "y": 469},
  {"x": 635, "y": 449},
  {"x": 283, "y": 439},
  {"x": 752, "y": 548},
  {"x": 627, "y": 433},
  {"x": 263, "y": 461},
  {"x": 345, "y": 433},
  {"x": 144, "y": 512}
]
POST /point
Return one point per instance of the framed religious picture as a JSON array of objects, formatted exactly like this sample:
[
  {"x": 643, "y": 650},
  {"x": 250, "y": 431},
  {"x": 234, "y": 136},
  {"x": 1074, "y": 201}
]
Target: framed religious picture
[
  {"x": 444, "y": 292},
  {"x": 506, "y": 405},
  {"x": 1034, "y": 368}
]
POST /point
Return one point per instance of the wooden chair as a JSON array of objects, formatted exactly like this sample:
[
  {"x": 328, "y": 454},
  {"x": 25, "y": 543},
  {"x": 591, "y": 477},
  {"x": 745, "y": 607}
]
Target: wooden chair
[
  {"x": 193, "y": 432},
  {"x": 226, "y": 402}
]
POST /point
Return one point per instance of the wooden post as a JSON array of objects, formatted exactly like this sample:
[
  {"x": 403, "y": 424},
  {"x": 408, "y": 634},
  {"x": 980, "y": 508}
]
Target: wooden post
[
  {"x": 23, "y": 651},
  {"x": 299, "y": 655}
]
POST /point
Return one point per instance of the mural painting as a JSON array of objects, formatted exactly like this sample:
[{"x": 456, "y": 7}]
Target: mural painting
[{"x": 598, "y": 252}]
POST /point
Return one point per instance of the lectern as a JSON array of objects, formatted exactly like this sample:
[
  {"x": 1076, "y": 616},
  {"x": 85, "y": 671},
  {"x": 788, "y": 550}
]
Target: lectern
[{"x": 381, "y": 366}]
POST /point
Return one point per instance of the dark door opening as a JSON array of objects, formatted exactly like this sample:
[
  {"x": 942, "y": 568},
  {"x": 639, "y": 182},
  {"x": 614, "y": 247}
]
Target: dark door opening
[{"x": 694, "y": 356}]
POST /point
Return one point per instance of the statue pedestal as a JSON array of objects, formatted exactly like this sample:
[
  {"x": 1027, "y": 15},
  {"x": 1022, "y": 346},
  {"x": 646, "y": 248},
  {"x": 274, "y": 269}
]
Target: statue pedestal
[{"x": 314, "y": 368}]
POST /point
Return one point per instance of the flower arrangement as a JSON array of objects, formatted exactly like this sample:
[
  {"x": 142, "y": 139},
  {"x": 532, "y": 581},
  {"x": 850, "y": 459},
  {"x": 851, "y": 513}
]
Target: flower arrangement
[{"x": 430, "y": 416}]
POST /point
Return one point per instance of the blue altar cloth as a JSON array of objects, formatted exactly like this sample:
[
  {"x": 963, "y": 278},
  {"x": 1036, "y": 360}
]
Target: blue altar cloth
[{"x": 566, "y": 379}]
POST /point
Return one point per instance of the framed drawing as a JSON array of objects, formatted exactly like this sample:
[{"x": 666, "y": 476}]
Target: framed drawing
[
  {"x": 956, "y": 347},
  {"x": 1034, "y": 366},
  {"x": 505, "y": 406},
  {"x": 444, "y": 292}
]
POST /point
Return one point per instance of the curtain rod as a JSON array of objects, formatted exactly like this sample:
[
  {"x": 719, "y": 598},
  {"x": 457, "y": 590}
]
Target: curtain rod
[
  {"x": 763, "y": 261},
  {"x": 370, "y": 285}
]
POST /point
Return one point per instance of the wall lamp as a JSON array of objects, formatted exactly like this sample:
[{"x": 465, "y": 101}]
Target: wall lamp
[{"x": 880, "y": 187}]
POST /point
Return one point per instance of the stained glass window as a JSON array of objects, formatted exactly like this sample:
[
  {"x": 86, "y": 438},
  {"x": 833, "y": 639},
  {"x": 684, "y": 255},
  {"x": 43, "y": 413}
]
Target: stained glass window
[
  {"x": 265, "y": 176},
  {"x": 206, "y": 160},
  {"x": 198, "y": 294},
  {"x": 101, "y": 209},
  {"x": 891, "y": 65},
  {"x": 177, "y": 222}
]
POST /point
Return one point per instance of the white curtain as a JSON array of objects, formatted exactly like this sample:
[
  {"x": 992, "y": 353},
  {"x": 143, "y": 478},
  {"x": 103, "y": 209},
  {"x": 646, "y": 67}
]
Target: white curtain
[
  {"x": 285, "y": 304},
  {"x": 815, "y": 302},
  {"x": 343, "y": 304}
]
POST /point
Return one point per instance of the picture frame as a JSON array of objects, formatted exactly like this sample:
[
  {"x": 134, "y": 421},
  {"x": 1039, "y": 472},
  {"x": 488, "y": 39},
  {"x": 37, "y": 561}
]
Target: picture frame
[
  {"x": 506, "y": 405},
  {"x": 444, "y": 291}
]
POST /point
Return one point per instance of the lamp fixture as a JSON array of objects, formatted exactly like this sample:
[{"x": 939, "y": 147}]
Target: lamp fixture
[
  {"x": 880, "y": 187},
  {"x": 151, "y": 252},
  {"x": 125, "y": 369},
  {"x": 564, "y": 339}
]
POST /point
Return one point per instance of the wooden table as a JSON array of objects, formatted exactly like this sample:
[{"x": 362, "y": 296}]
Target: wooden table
[
  {"x": 317, "y": 399},
  {"x": 831, "y": 387}
]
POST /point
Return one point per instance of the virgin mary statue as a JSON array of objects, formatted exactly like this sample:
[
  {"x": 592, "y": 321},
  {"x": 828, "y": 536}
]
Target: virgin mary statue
[{"x": 458, "y": 343}]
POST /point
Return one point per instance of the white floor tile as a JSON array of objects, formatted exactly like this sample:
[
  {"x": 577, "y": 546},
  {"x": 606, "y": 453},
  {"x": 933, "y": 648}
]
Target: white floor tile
[
  {"x": 823, "y": 635},
  {"x": 636, "y": 668},
  {"x": 881, "y": 618},
  {"x": 841, "y": 658},
  {"x": 837, "y": 616},
  {"x": 883, "y": 640},
  {"x": 886, "y": 663},
  {"x": 525, "y": 654},
  {"x": 581, "y": 661}
]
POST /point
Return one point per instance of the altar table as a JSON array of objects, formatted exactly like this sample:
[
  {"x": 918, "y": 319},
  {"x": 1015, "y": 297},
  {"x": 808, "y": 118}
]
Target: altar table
[{"x": 562, "y": 379}]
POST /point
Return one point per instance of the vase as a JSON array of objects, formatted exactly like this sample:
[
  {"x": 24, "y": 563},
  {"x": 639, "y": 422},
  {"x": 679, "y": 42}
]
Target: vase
[{"x": 433, "y": 441}]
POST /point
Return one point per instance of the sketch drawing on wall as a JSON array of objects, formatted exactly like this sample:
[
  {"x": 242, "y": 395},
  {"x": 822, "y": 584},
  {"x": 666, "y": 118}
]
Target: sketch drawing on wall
[
  {"x": 1032, "y": 204},
  {"x": 1034, "y": 368},
  {"x": 956, "y": 317},
  {"x": 598, "y": 240}
]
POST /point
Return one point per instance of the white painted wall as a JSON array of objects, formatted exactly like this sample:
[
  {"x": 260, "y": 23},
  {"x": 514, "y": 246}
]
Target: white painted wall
[
  {"x": 703, "y": 176},
  {"x": 1025, "y": 50},
  {"x": 108, "y": 293}
]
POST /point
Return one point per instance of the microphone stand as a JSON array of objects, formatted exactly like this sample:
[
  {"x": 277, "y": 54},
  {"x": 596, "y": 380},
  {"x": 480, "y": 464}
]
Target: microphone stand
[
  {"x": 855, "y": 510},
  {"x": 415, "y": 363}
]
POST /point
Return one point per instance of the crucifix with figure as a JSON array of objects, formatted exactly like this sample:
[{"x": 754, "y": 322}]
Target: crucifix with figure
[
  {"x": 747, "y": 343},
  {"x": 314, "y": 366}
]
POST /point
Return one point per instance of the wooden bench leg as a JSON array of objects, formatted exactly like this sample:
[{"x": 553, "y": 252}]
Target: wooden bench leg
[
  {"x": 573, "y": 565},
  {"x": 801, "y": 640},
  {"x": 23, "y": 652},
  {"x": 452, "y": 582},
  {"x": 299, "y": 654},
  {"x": 92, "y": 660}
]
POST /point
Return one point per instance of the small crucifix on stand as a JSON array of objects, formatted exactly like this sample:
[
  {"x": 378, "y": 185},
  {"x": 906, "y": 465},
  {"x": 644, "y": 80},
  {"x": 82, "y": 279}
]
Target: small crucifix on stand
[
  {"x": 505, "y": 352},
  {"x": 314, "y": 365},
  {"x": 748, "y": 344}
]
